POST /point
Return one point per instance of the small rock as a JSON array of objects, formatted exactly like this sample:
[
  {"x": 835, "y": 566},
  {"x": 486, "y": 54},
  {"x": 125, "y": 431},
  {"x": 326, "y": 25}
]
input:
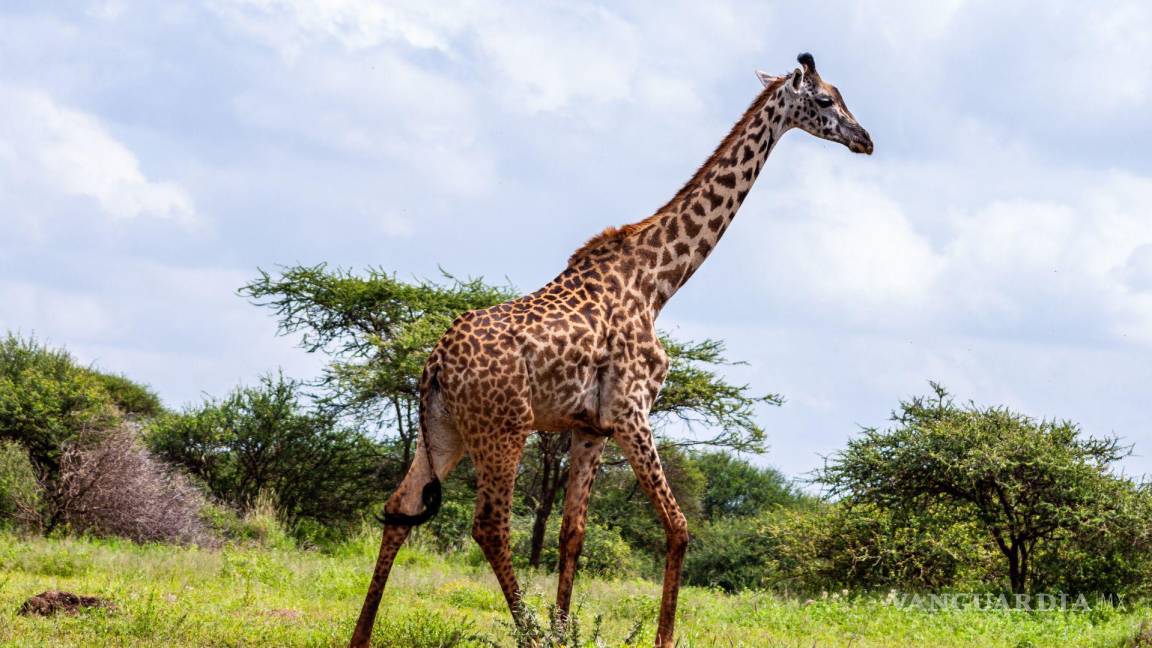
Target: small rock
[{"x": 52, "y": 601}]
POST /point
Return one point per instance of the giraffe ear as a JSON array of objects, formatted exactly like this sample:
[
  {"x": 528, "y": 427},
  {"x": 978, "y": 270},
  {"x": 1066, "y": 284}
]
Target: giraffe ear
[
  {"x": 797, "y": 78},
  {"x": 765, "y": 78}
]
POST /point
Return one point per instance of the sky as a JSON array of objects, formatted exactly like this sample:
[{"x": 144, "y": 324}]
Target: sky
[{"x": 999, "y": 241}]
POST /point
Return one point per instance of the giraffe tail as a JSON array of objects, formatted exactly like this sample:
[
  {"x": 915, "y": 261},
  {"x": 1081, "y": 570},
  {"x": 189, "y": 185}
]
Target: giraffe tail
[{"x": 432, "y": 495}]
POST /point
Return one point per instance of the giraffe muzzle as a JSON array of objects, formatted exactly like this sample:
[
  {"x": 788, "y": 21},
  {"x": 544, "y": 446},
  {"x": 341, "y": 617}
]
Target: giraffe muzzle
[{"x": 859, "y": 141}]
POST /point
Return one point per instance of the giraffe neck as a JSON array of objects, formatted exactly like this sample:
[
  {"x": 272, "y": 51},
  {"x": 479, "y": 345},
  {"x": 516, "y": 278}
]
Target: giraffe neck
[{"x": 685, "y": 231}]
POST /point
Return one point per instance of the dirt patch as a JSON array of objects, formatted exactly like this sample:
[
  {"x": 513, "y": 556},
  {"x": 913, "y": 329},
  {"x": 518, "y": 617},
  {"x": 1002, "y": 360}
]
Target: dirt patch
[
  {"x": 52, "y": 601},
  {"x": 290, "y": 615}
]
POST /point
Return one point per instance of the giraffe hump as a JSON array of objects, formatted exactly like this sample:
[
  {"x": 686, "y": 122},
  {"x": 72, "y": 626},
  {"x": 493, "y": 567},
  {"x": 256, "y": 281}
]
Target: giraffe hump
[{"x": 610, "y": 235}]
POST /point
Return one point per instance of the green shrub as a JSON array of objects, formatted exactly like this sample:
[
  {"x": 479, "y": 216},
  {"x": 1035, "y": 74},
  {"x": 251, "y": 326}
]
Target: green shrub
[
  {"x": 130, "y": 397},
  {"x": 425, "y": 630},
  {"x": 20, "y": 493},
  {"x": 1024, "y": 482},
  {"x": 224, "y": 521},
  {"x": 46, "y": 398},
  {"x": 605, "y": 552},
  {"x": 262, "y": 524},
  {"x": 1110, "y": 554},
  {"x": 266, "y": 439},
  {"x": 735, "y": 487},
  {"x": 550, "y": 633},
  {"x": 732, "y": 554},
  {"x": 259, "y": 526},
  {"x": 833, "y": 547}
]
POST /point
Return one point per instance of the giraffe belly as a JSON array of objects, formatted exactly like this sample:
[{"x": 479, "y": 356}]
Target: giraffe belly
[{"x": 566, "y": 398}]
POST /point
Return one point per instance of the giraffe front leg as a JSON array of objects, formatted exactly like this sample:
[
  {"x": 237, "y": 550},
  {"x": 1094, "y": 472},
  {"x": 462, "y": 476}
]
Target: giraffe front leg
[
  {"x": 639, "y": 446},
  {"x": 584, "y": 457}
]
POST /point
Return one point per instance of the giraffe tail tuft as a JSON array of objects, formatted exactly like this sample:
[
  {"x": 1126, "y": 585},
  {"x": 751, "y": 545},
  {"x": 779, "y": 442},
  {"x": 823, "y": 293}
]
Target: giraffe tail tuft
[{"x": 431, "y": 496}]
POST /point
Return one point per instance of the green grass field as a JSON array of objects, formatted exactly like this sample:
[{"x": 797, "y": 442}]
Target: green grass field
[{"x": 170, "y": 596}]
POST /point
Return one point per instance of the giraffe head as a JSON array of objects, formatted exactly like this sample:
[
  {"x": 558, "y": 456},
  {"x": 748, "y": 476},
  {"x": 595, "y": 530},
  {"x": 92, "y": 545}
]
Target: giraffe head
[{"x": 817, "y": 107}]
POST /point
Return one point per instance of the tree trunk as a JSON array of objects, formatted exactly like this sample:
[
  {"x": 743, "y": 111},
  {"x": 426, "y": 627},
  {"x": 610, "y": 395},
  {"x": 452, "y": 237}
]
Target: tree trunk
[
  {"x": 552, "y": 449},
  {"x": 1013, "y": 549},
  {"x": 405, "y": 437},
  {"x": 1015, "y": 571},
  {"x": 1025, "y": 567}
]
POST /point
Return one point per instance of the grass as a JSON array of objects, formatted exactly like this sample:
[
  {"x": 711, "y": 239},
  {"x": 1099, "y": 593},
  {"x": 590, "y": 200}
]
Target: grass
[{"x": 172, "y": 596}]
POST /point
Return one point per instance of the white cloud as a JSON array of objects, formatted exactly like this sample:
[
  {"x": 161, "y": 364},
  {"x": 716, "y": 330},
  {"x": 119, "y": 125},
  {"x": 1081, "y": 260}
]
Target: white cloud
[
  {"x": 836, "y": 381},
  {"x": 865, "y": 242},
  {"x": 1137, "y": 271},
  {"x": 291, "y": 26},
  {"x": 181, "y": 329},
  {"x": 50, "y": 148},
  {"x": 75, "y": 316},
  {"x": 540, "y": 58},
  {"x": 842, "y": 242},
  {"x": 921, "y": 27},
  {"x": 595, "y": 57},
  {"x": 1104, "y": 63},
  {"x": 394, "y": 226},
  {"x": 1028, "y": 264},
  {"x": 363, "y": 98}
]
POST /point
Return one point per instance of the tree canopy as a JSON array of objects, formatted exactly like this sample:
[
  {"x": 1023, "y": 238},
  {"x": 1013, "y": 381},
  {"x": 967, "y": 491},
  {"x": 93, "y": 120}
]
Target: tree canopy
[
  {"x": 261, "y": 441},
  {"x": 1022, "y": 481}
]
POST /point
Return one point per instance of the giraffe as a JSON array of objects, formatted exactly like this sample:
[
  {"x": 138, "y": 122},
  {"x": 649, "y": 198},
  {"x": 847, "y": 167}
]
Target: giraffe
[{"x": 582, "y": 355}]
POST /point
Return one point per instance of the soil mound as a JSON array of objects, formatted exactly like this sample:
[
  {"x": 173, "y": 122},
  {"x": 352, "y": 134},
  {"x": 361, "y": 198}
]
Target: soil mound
[{"x": 52, "y": 601}]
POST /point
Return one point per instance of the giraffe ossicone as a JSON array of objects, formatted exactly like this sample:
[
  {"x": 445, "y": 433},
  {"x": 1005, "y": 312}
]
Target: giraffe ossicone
[{"x": 581, "y": 354}]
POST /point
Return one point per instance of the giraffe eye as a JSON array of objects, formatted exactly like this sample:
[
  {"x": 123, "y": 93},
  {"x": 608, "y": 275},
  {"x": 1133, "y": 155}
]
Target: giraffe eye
[{"x": 823, "y": 102}]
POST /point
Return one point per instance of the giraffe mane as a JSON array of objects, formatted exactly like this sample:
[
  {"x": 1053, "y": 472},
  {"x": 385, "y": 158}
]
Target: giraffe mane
[{"x": 613, "y": 235}]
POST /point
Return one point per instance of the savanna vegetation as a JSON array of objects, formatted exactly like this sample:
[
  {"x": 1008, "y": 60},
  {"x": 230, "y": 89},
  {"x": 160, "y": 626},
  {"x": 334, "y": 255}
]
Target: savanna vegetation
[
  {"x": 274, "y": 594},
  {"x": 246, "y": 519}
]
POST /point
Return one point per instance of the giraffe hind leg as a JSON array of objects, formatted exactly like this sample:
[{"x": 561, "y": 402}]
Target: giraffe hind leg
[
  {"x": 393, "y": 537},
  {"x": 409, "y": 501}
]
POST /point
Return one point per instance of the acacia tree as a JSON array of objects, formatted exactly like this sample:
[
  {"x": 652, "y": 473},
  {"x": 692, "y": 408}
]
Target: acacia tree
[
  {"x": 379, "y": 331},
  {"x": 1022, "y": 481}
]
